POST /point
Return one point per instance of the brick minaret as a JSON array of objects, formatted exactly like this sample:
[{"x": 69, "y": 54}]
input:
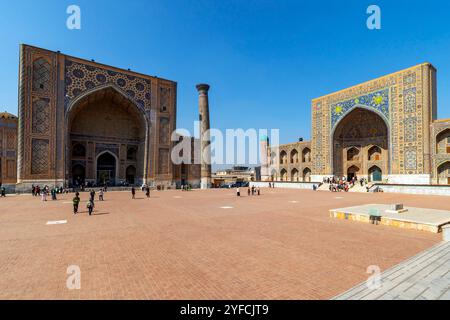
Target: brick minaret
[{"x": 205, "y": 138}]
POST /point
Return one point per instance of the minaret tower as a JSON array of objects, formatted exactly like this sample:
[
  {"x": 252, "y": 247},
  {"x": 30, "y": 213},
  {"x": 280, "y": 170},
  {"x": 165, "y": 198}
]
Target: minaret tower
[{"x": 205, "y": 138}]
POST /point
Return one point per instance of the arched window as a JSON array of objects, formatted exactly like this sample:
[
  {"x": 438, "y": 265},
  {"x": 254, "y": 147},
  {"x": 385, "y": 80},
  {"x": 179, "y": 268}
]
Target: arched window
[
  {"x": 283, "y": 157},
  {"x": 443, "y": 172},
  {"x": 273, "y": 175},
  {"x": 294, "y": 175},
  {"x": 78, "y": 151},
  {"x": 375, "y": 153},
  {"x": 306, "y": 155},
  {"x": 443, "y": 142},
  {"x": 294, "y": 156},
  {"x": 132, "y": 153},
  {"x": 306, "y": 175},
  {"x": 283, "y": 175},
  {"x": 353, "y": 154}
]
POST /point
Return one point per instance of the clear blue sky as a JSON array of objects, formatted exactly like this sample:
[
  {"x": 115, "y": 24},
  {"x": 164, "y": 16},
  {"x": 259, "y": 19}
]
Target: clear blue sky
[{"x": 264, "y": 60}]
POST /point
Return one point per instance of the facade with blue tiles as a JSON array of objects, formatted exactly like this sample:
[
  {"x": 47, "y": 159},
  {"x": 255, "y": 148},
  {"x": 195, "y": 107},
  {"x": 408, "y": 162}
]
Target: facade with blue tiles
[{"x": 384, "y": 130}]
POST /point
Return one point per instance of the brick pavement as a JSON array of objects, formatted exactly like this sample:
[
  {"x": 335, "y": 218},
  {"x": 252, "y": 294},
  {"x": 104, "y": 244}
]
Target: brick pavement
[
  {"x": 426, "y": 276},
  {"x": 182, "y": 245}
]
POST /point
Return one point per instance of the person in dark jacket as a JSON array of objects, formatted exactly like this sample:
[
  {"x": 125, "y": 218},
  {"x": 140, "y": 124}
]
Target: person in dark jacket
[{"x": 76, "y": 202}]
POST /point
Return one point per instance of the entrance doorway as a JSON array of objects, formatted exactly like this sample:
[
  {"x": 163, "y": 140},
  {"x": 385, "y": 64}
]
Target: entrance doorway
[
  {"x": 131, "y": 175},
  {"x": 360, "y": 138},
  {"x": 106, "y": 169},
  {"x": 375, "y": 174},
  {"x": 78, "y": 175},
  {"x": 352, "y": 172}
]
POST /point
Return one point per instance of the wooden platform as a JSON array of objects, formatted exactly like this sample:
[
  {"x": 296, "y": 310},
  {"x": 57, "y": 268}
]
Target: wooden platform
[{"x": 430, "y": 220}]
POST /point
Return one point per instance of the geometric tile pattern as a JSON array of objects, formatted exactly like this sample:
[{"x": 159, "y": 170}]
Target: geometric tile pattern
[
  {"x": 410, "y": 129},
  {"x": 41, "y": 116},
  {"x": 163, "y": 161},
  {"x": 81, "y": 77},
  {"x": 164, "y": 131},
  {"x": 410, "y": 158},
  {"x": 410, "y": 100},
  {"x": 409, "y": 79},
  {"x": 39, "y": 155},
  {"x": 41, "y": 75},
  {"x": 164, "y": 98}
]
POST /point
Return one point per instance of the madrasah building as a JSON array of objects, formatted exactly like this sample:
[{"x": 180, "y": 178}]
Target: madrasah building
[
  {"x": 84, "y": 122},
  {"x": 80, "y": 121},
  {"x": 385, "y": 130}
]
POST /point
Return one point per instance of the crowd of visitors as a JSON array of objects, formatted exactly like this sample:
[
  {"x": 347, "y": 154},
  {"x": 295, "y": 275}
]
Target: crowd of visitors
[
  {"x": 250, "y": 191},
  {"x": 338, "y": 184},
  {"x": 45, "y": 191}
]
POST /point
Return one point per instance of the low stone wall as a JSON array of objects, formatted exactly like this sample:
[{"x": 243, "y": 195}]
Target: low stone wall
[
  {"x": 415, "y": 189},
  {"x": 286, "y": 185},
  {"x": 10, "y": 188}
]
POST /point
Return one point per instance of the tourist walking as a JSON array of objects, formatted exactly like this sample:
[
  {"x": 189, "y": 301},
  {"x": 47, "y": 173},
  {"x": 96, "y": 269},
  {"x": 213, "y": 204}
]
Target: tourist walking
[
  {"x": 238, "y": 191},
  {"x": 90, "y": 206},
  {"x": 100, "y": 195},
  {"x": 133, "y": 193},
  {"x": 147, "y": 191},
  {"x": 92, "y": 194},
  {"x": 248, "y": 192},
  {"x": 259, "y": 191},
  {"x": 44, "y": 195},
  {"x": 76, "y": 202},
  {"x": 53, "y": 193},
  {"x": 3, "y": 192}
]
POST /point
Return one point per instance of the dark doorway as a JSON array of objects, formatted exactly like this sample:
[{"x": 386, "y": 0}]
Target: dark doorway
[
  {"x": 352, "y": 172},
  {"x": 131, "y": 174},
  {"x": 78, "y": 175},
  {"x": 106, "y": 169}
]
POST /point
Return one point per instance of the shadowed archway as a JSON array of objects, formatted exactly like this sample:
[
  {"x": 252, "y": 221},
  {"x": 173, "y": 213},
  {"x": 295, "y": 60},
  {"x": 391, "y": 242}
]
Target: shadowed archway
[
  {"x": 360, "y": 139},
  {"x": 106, "y": 119}
]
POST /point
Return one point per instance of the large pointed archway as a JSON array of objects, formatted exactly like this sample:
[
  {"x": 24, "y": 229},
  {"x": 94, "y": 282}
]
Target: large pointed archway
[
  {"x": 105, "y": 125},
  {"x": 360, "y": 140}
]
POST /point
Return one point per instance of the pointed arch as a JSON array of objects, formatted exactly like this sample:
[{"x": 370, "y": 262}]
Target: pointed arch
[
  {"x": 283, "y": 175},
  {"x": 295, "y": 175}
]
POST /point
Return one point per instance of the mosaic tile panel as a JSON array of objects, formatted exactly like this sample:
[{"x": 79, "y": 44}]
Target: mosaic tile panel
[
  {"x": 81, "y": 77},
  {"x": 378, "y": 101},
  {"x": 41, "y": 75},
  {"x": 41, "y": 116},
  {"x": 410, "y": 100},
  {"x": 410, "y": 129},
  {"x": 39, "y": 155},
  {"x": 410, "y": 158}
]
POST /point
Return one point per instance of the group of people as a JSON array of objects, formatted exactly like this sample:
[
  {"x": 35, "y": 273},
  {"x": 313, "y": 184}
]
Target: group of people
[
  {"x": 338, "y": 184},
  {"x": 37, "y": 191},
  {"x": 250, "y": 191},
  {"x": 145, "y": 188},
  {"x": 90, "y": 205},
  {"x": 186, "y": 187}
]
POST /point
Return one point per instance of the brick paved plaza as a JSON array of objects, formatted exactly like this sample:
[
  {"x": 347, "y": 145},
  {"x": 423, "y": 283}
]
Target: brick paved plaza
[{"x": 184, "y": 245}]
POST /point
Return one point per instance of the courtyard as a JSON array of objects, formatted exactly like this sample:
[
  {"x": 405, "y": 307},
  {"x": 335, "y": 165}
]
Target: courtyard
[{"x": 199, "y": 245}]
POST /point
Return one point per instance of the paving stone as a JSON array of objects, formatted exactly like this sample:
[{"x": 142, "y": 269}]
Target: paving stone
[{"x": 264, "y": 248}]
